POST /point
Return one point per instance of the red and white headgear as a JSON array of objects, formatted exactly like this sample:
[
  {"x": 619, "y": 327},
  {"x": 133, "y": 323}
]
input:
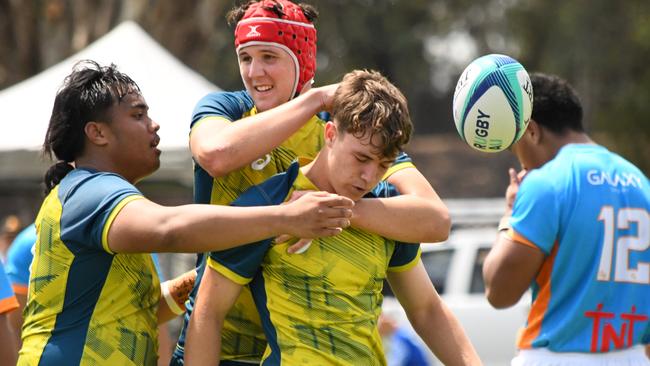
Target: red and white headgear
[{"x": 292, "y": 32}]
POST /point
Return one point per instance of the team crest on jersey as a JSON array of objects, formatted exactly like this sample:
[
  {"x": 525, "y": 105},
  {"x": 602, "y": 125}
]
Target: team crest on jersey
[
  {"x": 253, "y": 32},
  {"x": 261, "y": 163}
]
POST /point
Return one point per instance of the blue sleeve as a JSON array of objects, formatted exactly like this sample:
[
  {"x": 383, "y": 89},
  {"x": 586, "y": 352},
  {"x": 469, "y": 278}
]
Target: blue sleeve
[
  {"x": 87, "y": 209},
  {"x": 404, "y": 253},
  {"x": 536, "y": 214},
  {"x": 402, "y": 158},
  {"x": 404, "y": 256},
  {"x": 383, "y": 190},
  {"x": 240, "y": 264},
  {"x": 5, "y": 289},
  {"x": 19, "y": 257},
  {"x": 230, "y": 105}
]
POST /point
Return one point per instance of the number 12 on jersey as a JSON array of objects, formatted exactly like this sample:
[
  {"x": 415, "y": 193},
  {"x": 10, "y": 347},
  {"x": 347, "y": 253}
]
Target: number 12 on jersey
[{"x": 615, "y": 242}]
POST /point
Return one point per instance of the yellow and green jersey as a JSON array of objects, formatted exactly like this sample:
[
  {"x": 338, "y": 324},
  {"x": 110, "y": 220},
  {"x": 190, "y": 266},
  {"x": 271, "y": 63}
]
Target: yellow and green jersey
[
  {"x": 319, "y": 307},
  {"x": 87, "y": 305},
  {"x": 243, "y": 338}
]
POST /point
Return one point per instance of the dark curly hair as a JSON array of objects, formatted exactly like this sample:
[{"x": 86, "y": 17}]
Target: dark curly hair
[
  {"x": 86, "y": 95},
  {"x": 556, "y": 104}
]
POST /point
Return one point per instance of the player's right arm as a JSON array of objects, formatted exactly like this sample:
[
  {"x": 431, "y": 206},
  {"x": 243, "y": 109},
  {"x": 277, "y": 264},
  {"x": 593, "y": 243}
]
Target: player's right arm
[
  {"x": 217, "y": 294},
  {"x": 141, "y": 226},
  {"x": 220, "y": 146},
  {"x": 513, "y": 262}
]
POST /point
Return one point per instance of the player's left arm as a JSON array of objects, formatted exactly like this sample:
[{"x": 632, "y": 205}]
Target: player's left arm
[
  {"x": 509, "y": 269},
  {"x": 217, "y": 294},
  {"x": 431, "y": 318},
  {"x": 418, "y": 215}
]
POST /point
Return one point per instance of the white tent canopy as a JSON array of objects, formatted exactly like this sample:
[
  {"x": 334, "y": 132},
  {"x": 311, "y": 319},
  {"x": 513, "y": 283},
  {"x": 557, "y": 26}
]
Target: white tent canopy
[{"x": 170, "y": 88}]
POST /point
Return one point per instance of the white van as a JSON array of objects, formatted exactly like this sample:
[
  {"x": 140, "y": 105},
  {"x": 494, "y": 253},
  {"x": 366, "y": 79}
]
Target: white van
[{"x": 455, "y": 269}]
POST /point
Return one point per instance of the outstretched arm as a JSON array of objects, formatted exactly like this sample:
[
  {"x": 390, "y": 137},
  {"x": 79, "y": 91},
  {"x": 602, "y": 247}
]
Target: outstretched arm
[
  {"x": 217, "y": 294},
  {"x": 143, "y": 226},
  {"x": 221, "y": 147},
  {"x": 431, "y": 318},
  {"x": 416, "y": 216}
]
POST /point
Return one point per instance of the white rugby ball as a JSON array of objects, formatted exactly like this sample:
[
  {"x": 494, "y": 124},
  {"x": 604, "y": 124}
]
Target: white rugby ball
[{"x": 492, "y": 103}]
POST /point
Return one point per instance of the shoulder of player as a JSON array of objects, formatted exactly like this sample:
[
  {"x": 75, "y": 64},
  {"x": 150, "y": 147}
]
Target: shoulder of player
[
  {"x": 89, "y": 184},
  {"x": 240, "y": 98},
  {"x": 272, "y": 191}
]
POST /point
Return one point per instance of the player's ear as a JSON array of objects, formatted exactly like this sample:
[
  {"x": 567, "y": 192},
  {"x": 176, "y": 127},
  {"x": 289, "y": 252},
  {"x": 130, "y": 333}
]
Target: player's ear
[
  {"x": 96, "y": 132},
  {"x": 330, "y": 132},
  {"x": 534, "y": 131}
]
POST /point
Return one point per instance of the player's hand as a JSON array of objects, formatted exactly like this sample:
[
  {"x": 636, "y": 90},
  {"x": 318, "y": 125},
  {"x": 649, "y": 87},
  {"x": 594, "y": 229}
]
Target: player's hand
[
  {"x": 301, "y": 245},
  {"x": 326, "y": 94},
  {"x": 513, "y": 188},
  {"x": 317, "y": 214}
]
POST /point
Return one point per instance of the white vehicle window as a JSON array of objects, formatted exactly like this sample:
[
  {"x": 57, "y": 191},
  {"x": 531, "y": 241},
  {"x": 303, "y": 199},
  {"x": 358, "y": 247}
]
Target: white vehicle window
[{"x": 437, "y": 265}]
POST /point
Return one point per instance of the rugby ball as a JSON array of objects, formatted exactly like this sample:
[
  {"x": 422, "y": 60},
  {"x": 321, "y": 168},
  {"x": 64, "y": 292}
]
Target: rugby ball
[{"x": 492, "y": 103}]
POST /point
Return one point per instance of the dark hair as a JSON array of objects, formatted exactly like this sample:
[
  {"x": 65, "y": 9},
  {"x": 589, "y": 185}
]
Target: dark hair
[
  {"x": 235, "y": 14},
  {"x": 366, "y": 103},
  {"x": 556, "y": 105},
  {"x": 86, "y": 95}
]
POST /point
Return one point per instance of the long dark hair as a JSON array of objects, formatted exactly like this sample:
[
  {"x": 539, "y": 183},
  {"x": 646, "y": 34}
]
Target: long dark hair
[{"x": 86, "y": 95}]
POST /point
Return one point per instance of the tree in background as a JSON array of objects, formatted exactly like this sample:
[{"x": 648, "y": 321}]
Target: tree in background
[{"x": 601, "y": 46}]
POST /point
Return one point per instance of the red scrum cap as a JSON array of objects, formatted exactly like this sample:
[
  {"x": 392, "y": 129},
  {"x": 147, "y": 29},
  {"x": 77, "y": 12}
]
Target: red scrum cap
[{"x": 291, "y": 31}]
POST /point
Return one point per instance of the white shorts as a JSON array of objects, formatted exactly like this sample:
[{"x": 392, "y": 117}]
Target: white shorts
[{"x": 634, "y": 356}]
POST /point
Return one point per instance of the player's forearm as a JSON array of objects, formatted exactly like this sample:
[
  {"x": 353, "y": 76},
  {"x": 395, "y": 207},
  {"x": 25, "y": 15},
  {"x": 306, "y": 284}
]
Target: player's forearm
[
  {"x": 146, "y": 227},
  {"x": 175, "y": 293},
  {"x": 406, "y": 218},
  {"x": 443, "y": 334},
  {"x": 203, "y": 343},
  {"x": 250, "y": 138},
  {"x": 216, "y": 296}
]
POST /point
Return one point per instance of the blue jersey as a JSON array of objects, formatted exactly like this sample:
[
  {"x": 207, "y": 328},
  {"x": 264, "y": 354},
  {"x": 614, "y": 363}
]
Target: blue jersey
[
  {"x": 588, "y": 211},
  {"x": 8, "y": 301},
  {"x": 86, "y": 304},
  {"x": 19, "y": 259}
]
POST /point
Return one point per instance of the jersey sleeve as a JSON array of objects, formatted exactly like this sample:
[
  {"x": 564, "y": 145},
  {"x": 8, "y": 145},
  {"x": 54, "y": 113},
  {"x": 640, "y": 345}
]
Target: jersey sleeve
[
  {"x": 405, "y": 256},
  {"x": 240, "y": 264},
  {"x": 402, "y": 161},
  {"x": 230, "y": 106},
  {"x": 8, "y": 301},
  {"x": 536, "y": 215},
  {"x": 19, "y": 259},
  {"x": 90, "y": 208}
]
